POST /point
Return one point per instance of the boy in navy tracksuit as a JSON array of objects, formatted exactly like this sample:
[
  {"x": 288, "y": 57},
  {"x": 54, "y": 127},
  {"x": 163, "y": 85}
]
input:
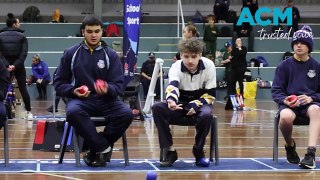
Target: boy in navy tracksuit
[
  {"x": 299, "y": 75},
  {"x": 84, "y": 64}
]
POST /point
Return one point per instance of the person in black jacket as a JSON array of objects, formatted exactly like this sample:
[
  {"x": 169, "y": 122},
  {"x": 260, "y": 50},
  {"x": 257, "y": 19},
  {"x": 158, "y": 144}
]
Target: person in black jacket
[
  {"x": 4, "y": 82},
  {"x": 238, "y": 67},
  {"x": 146, "y": 75},
  {"x": 14, "y": 50},
  {"x": 295, "y": 17},
  {"x": 243, "y": 30},
  {"x": 220, "y": 9},
  {"x": 253, "y": 6}
]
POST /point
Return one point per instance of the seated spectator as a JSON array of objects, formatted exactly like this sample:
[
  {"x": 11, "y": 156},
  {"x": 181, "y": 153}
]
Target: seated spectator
[
  {"x": 40, "y": 76},
  {"x": 57, "y": 17},
  {"x": 220, "y": 9},
  {"x": 146, "y": 75},
  {"x": 189, "y": 31},
  {"x": 252, "y": 5},
  {"x": 243, "y": 30}
]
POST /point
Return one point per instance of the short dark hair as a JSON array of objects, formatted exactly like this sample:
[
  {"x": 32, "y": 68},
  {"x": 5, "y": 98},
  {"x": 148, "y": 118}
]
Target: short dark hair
[
  {"x": 11, "y": 20},
  {"x": 91, "y": 20},
  {"x": 192, "y": 45}
]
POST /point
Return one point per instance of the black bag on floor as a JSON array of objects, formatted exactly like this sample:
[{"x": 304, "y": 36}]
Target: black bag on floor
[{"x": 49, "y": 136}]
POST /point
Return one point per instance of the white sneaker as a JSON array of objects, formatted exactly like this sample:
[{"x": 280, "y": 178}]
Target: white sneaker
[{"x": 29, "y": 116}]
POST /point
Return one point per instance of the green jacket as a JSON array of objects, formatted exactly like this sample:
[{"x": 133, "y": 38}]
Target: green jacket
[{"x": 211, "y": 34}]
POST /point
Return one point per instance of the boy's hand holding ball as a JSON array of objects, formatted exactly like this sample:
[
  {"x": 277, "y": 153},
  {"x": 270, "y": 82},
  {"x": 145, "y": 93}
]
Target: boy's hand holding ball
[
  {"x": 101, "y": 87},
  {"x": 293, "y": 101},
  {"x": 82, "y": 91}
]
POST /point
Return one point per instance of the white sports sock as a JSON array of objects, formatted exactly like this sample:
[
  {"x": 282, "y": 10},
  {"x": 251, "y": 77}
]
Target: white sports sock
[{"x": 105, "y": 151}]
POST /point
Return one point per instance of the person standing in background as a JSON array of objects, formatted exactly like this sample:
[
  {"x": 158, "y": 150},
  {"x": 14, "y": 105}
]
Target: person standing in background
[
  {"x": 14, "y": 50},
  {"x": 226, "y": 59},
  {"x": 210, "y": 36},
  {"x": 295, "y": 17},
  {"x": 238, "y": 67},
  {"x": 243, "y": 30}
]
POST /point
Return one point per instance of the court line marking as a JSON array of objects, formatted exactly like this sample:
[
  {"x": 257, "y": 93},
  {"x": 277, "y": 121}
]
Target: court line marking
[
  {"x": 38, "y": 165},
  {"x": 54, "y": 161},
  {"x": 59, "y": 176},
  {"x": 264, "y": 164},
  {"x": 151, "y": 164}
]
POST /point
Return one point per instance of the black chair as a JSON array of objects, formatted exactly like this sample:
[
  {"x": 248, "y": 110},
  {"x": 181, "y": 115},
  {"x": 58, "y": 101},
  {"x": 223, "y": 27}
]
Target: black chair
[
  {"x": 214, "y": 145},
  {"x": 300, "y": 121},
  {"x": 133, "y": 90},
  {"x": 98, "y": 122}
]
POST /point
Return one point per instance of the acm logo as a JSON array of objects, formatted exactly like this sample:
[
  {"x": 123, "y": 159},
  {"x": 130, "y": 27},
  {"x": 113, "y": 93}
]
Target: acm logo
[{"x": 276, "y": 13}]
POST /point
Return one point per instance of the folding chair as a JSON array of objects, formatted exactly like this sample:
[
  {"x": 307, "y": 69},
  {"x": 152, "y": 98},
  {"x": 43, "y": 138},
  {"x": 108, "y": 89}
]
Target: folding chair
[
  {"x": 133, "y": 90},
  {"x": 300, "y": 121},
  {"x": 6, "y": 144},
  {"x": 214, "y": 145},
  {"x": 98, "y": 121}
]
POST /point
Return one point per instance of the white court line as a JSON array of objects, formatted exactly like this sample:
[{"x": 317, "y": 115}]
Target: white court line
[
  {"x": 263, "y": 164},
  {"x": 151, "y": 164},
  {"x": 38, "y": 165},
  {"x": 196, "y": 170}
]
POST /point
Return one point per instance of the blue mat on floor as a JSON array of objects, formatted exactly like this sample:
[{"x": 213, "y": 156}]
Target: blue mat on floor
[
  {"x": 138, "y": 165},
  {"x": 50, "y": 116}
]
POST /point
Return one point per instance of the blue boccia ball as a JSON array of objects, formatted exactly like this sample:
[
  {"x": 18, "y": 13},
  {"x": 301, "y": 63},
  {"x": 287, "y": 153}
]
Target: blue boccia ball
[
  {"x": 151, "y": 175},
  {"x": 204, "y": 162}
]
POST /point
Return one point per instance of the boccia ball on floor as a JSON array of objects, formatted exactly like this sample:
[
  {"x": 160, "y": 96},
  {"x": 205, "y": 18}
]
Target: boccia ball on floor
[{"x": 151, "y": 175}]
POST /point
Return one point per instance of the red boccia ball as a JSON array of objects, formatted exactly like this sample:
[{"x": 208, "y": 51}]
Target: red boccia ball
[
  {"x": 101, "y": 84},
  {"x": 293, "y": 98},
  {"x": 83, "y": 89}
]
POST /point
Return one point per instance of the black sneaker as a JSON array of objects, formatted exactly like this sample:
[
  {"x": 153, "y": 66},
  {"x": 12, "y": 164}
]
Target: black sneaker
[
  {"x": 199, "y": 155},
  {"x": 171, "y": 157},
  {"x": 89, "y": 157},
  {"x": 100, "y": 160},
  {"x": 292, "y": 155},
  {"x": 308, "y": 162},
  {"x": 50, "y": 109}
]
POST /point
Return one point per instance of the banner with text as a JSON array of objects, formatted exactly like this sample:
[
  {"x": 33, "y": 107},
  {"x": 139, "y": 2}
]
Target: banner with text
[{"x": 131, "y": 34}]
